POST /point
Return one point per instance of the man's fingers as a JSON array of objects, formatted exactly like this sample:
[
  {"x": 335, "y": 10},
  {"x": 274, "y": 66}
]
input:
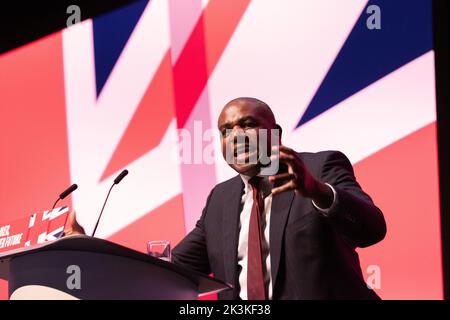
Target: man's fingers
[
  {"x": 287, "y": 186},
  {"x": 282, "y": 176},
  {"x": 72, "y": 217},
  {"x": 283, "y": 157},
  {"x": 72, "y": 225},
  {"x": 286, "y": 149},
  {"x": 286, "y": 156}
]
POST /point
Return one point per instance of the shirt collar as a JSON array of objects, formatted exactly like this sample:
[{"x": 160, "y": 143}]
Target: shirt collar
[{"x": 247, "y": 186}]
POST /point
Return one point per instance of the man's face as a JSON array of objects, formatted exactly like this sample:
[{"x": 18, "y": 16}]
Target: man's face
[{"x": 244, "y": 119}]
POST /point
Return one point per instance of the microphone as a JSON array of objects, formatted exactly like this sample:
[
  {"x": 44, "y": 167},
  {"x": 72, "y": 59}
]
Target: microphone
[
  {"x": 65, "y": 193},
  {"x": 120, "y": 176},
  {"x": 116, "y": 181},
  {"x": 68, "y": 191}
]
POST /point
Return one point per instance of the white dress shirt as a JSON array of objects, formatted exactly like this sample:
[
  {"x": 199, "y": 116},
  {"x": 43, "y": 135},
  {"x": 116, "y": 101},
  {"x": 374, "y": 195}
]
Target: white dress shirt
[{"x": 247, "y": 203}]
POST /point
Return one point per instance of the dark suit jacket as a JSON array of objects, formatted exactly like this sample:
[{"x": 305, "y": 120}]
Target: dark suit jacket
[{"x": 312, "y": 256}]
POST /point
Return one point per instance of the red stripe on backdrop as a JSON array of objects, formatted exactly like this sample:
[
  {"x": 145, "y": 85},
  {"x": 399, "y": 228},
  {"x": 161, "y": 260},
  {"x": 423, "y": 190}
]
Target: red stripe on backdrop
[
  {"x": 190, "y": 75},
  {"x": 34, "y": 163},
  {"x": 149, "y": 122},
  {"x": 403, "y": 181},
  {"x": 202, "y": 52}
]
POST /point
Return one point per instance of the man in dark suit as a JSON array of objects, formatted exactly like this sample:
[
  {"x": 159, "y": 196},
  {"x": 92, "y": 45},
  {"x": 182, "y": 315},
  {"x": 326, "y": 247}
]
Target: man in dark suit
[
  {"x": 288, "y": 236},
  {"x": 291, "y": 235}
]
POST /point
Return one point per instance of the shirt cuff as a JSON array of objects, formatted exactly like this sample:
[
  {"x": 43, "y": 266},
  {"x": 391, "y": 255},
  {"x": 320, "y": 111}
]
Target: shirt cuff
[{"x": 328, "y": 211}]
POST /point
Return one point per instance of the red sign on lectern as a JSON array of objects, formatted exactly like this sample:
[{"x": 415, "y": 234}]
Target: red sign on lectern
[{"x": 38, "y": 228}]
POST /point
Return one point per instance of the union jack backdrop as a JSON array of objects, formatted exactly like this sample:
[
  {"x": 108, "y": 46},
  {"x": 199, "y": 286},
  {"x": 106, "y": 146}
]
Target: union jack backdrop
[{"x": 109, "y": 93}]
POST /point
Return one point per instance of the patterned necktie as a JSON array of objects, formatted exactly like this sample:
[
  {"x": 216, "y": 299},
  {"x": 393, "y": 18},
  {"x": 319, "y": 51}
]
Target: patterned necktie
[{"x": 256, "y": 289}]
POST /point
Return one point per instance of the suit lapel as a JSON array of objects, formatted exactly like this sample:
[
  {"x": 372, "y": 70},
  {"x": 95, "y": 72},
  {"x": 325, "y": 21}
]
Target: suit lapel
[
  {"x": 281, "y": 204},
  {"x": 231, "y": 212}
]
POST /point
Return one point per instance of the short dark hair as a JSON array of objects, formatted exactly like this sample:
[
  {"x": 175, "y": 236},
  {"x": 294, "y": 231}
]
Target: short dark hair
[{"x": 256, "y": 102}]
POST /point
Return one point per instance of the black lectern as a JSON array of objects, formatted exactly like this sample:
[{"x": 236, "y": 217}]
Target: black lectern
[{"x": 83, "y": 267}]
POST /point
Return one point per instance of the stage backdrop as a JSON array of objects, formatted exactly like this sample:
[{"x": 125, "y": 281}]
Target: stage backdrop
[{"x": 80, "y": 105}]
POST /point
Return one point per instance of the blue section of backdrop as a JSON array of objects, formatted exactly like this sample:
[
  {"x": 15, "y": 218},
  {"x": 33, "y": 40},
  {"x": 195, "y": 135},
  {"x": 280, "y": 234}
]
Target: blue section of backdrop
[{"x": 368, "y": 55}]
